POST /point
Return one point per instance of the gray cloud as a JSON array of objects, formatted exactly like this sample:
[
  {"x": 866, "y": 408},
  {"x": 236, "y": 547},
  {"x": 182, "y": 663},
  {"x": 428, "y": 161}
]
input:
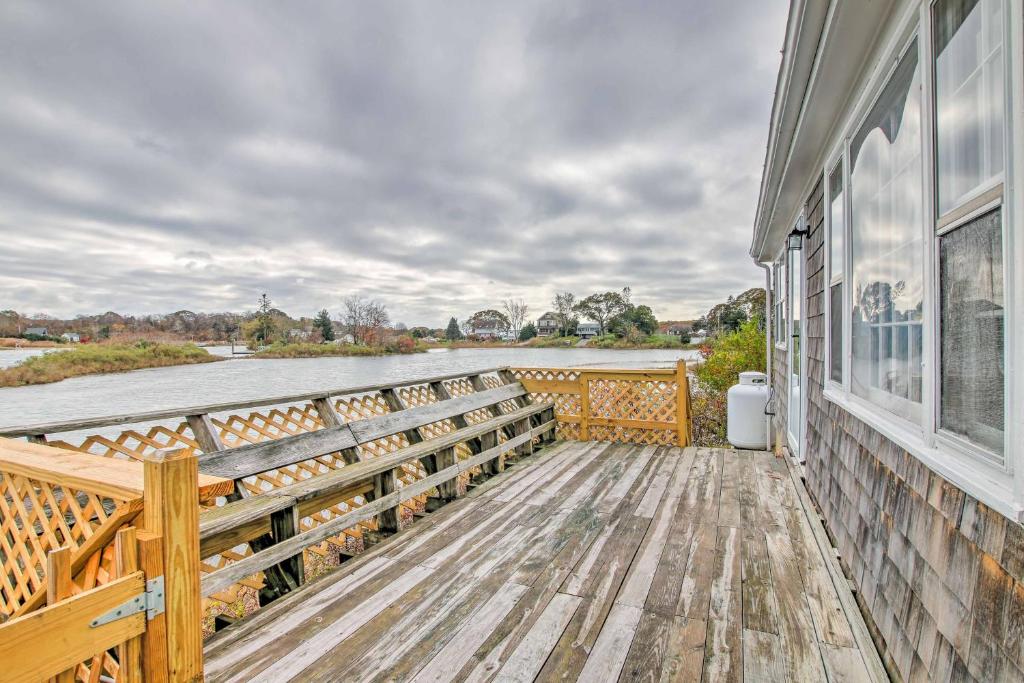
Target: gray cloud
[{"x": 439, "y": 157}]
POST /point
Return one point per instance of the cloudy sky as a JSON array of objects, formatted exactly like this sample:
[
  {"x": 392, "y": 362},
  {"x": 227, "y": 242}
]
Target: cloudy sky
[{"x": 438, "y": 156}]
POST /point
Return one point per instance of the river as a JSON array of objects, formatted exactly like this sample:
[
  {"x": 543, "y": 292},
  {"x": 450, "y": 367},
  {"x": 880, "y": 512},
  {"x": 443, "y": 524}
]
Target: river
[{"x": 241, "y": 379}]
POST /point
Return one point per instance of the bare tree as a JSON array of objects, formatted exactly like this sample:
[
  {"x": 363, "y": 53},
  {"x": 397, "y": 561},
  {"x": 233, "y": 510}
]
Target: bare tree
[
  {"x": 364, "y": 318},
  {"x": 564, "y": 303},
  {"x": 516, "y": 311}
]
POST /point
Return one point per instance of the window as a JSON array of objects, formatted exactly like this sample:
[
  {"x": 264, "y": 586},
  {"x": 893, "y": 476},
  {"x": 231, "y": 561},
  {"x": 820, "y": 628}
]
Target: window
[
  {"x": 969, "y": 102},
  {"x": 836, "y": 229},
  {"x": 886, "y": 246},
  {"x": 971, "y": 305},
  {"x": 922, "y": 294},
  {"x": 969, "y": 140},
  {"x": 780, "y": 304}
]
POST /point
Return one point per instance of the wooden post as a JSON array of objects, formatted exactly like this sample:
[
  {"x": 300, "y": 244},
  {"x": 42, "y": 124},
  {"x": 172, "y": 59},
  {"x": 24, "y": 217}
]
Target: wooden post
[
  {"x": 522, "y": 427},
  {"x": 329, "y": 416},
  {"x": 171, "y": 483},
  {"x": 497, "y": 465},
  {"x": 58, "y": 587},
  {"x": 283, "y": 525},
  {"x": 126, "y": 561},
  {"x": 388, "y": 519},
  {"x": 584, "y": 406},
  {"x": 682, "y": 405},
  {"x": 154, "y": 640},
  {"x": 447, "y": 490},
  {"x": 478, "y": 385}
]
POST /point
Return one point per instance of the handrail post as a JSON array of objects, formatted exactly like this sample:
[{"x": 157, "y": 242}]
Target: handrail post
[
  {"x": 172, "y": 511},
  {"x": 58, "y": 588},
  {"x": 682, "y": 405},
  {"x": 584, "y": 406}
]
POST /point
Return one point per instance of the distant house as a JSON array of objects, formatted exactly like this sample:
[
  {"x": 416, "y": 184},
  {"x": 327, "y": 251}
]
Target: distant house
[
  {"x": 345, "y": 339},
  {"x": 587, "y": 329},
  {"x": 298, "y": 334},
  {"x": 547, "y": 325},
  {"x": 486, "y": 330},
  {"x": 71, "y": 337},
  {"x": 39, "y": 331},
  {"x": 677, "y": 330},
  {"x": 698, "y": 337}
]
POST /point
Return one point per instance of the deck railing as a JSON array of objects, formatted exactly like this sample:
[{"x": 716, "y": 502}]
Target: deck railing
[
  {"x": 627, "y": 406},
  {"x": 279, "y": 485}
]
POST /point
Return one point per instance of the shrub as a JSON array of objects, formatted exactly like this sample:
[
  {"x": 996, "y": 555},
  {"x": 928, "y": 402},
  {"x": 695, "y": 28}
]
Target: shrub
[{"x": 724, "y": 359}]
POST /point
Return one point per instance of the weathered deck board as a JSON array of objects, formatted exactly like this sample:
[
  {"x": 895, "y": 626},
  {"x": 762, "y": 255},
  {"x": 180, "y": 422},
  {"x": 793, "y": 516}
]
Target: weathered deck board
[{"x": 585, "y": 562}]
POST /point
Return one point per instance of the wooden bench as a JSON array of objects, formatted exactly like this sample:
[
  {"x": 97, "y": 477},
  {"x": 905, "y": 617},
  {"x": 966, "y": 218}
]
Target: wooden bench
[{"x": 269, "y": 521}]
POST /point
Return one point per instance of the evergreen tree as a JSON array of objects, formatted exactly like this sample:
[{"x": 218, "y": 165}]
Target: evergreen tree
[
  {"x": 322, "y": 322},
  {"x": 529, "y": 331},
  {"x": 453, "y": 333}
]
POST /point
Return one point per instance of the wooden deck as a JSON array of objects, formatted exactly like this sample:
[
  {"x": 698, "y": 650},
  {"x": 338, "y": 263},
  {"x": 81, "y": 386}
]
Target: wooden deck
[{"x": 588, "y": 562}]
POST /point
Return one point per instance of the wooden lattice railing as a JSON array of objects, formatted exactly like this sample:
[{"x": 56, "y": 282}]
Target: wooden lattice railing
[
  {"x": 313, "y": 474},
  {"x": 627, "y": 406},
  {"x": 222, "y": 427}
]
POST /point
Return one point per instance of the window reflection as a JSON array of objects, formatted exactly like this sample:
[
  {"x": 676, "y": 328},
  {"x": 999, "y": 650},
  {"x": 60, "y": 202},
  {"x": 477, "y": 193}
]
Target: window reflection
[
  {"x": 886, "y": 246},
  {"x": 968, "y": 97}
]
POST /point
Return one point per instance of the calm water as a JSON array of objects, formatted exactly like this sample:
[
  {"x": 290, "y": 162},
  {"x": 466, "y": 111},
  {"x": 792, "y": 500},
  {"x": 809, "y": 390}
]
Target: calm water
[{"x": 242, "y": 379}]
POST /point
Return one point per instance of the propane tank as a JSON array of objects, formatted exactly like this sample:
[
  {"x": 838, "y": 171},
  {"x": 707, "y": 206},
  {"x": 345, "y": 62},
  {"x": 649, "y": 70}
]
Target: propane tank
[{"x": 746, "y": 425}]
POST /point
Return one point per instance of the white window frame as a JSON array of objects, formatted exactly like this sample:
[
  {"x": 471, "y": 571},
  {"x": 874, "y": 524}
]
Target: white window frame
[
  {"x": 839, "y": 156},
  {"x": 780, "y": 307},
  {"x": 1001, "y": 486}
]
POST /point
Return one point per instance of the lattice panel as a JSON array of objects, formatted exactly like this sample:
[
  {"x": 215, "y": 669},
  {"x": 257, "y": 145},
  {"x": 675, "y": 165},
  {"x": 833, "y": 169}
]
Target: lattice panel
[
  {"x": 617, "y": 434},
  {"x": 35, "y": 518},
  {"x": 132, "y": 443},
  {"x": 649, "y": 400}
]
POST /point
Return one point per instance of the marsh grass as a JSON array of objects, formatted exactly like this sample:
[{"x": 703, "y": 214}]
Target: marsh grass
[{"x": 97, "y": 359}]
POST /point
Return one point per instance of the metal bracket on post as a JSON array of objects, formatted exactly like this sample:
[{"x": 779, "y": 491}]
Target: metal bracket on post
[{"x": 151, "y": 602}]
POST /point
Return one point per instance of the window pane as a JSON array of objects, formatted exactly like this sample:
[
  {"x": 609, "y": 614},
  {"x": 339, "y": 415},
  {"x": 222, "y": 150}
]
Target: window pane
[
  {"x": 836, "y": 333},
  {"x": 973, "y": 370},
  {"x": 968, "y": 96},
  {"x": 836, "y": 227},
  {"x": 886, "y": 249}
]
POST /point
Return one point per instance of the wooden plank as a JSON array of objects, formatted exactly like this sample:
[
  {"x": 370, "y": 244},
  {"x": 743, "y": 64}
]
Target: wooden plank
[
  {"x": 638, "y": 583},
  {"x": 115, "y": 478},
  {"x": 683, "y": 426},
  {"x": 584, "y": 392},
  {"x": 291, "y": 664},
  {"x": 758, "y": 594},
  {"x": 796, "y": 628},
  {"x": 154, "y": 640},
  {"x": 649, "y": 504},
  {"x": 529, "y": 656},
  {"x": 126, "y": 563},
  {"x": 172, "y": 511},
  {"x": 636, "y": 464},
  {"x": 446, "y": 663},
  {"x": 845, "y": 665},
  {"x": 665, "y": 649},
  {"x": 861, "y": 634},
  {"x": 612, "y": 646},
  {"x": 762, "y": 657},
  {"x": 381, "y": 426},
  {"x": 58, "y": 588},
  {"x": 55, "y": 638},
  {"x": 244, "y": 461},
  {"x": 723, "y": 654},
  {"x": 550, "y": 386},
  {"x": 158, "y": 415},
  {"x": 729, "y": 512}
]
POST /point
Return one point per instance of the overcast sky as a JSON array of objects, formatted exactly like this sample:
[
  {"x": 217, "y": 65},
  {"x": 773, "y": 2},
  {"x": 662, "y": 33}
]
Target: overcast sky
[{"x": 438, "y": 156}]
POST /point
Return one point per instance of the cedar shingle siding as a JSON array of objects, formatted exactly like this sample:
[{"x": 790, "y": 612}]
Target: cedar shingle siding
[{"x": 939, "y": 573}]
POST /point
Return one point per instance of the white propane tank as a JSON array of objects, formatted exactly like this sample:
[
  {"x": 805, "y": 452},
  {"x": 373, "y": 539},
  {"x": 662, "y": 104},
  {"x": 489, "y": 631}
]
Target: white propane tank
[{"x": 746, "y": 425}]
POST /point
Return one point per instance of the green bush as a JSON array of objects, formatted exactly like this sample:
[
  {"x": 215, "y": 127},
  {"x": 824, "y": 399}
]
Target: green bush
[{"x": 724, "y": 359}]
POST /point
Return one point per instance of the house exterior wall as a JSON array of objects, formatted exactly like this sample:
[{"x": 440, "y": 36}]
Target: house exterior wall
[{"x": 940, "y": 574}]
